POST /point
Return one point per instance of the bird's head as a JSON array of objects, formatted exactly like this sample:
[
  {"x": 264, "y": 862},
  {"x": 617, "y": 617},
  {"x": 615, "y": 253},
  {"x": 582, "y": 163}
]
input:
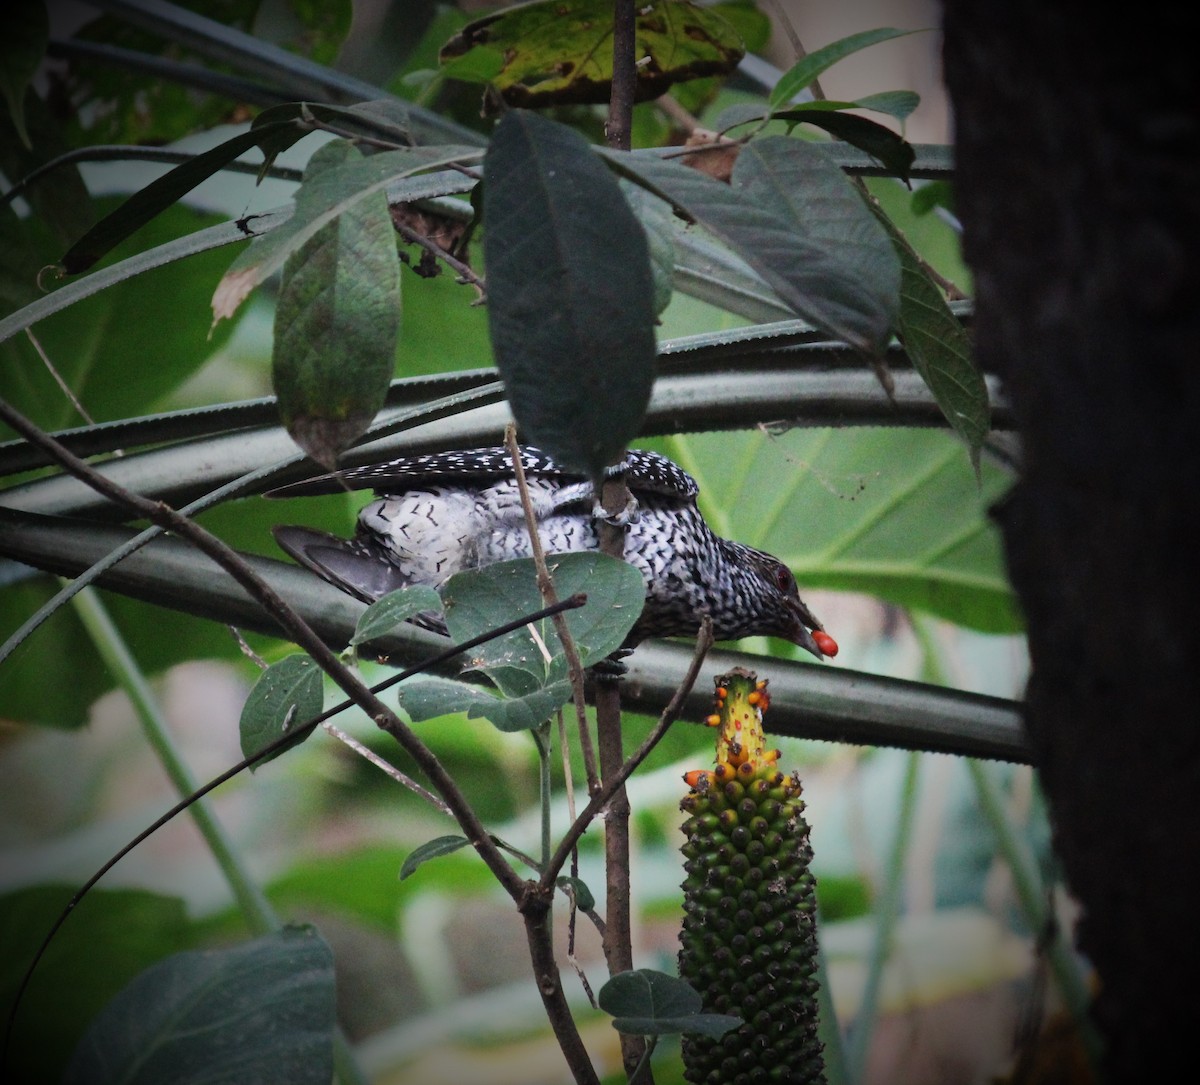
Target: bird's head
[{"x": 781, "y": 611}]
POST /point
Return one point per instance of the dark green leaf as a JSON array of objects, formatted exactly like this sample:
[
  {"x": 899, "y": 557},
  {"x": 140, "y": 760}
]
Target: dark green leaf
[
  {"x": 810, "y": 196},
  {"x": 570, "y": 294},
  {"x": 428, "y": 698},
  {"x": 891, "y": 150},
  {"x": 58, "y": 199},
  {"x": 940, "y": 349},
  {"x": 262, "y": 1011},
  {"x": 485, "y": 598},
  {"x": 796, "y": 219},
  {"x": 560, "y": 51},
  {"x": 524, "y": 713},
  {"x": 385, "y": 614},
  {"x": 585, "y": 900},
  {"x": 810, "y": 67},
  {"x": 337, "y": 320},
  {"x": 649, "y": 1003},
  {"x": 895, "y": 103},
  {"x": 157, "y": 196},
  {"x": 655, "y": 217},
  {"x": 287, "y": 695},
  {"x": 431, "y": 849},
  {"x": 331, "y": 193},
  {"x": 384, "y": 120},
  {"x": 26, "y": 31},
  {"x": 112, "y": 935},
  {"x": 155, "y": 328},
  {"x": 931, "y": 195}
]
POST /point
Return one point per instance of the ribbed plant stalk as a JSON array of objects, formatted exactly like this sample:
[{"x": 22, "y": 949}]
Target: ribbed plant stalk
[{"x": 749, "y": 940}]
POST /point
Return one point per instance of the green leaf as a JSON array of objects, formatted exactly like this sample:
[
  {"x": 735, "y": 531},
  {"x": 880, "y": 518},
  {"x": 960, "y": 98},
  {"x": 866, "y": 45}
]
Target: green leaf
[
  {"x": 262, "y": 1011},
  {"x": 58, "y": 199},
  {"x": 431, "y": 849},
  {"x": 286, "y": 696},
  {"x": 887, "y": 512},
  {"x": 24, "y": 691},
  {"x": 649, "y": 1003},
  {"x": 895, "y": 103},
  {"x": 939, "y": 348},
  {"x": 809, "y": 196},
  {"x": 656, "y": 219},
  {"x": 395, "y": 608},
  {"x": 337, "y": 320},
  {"x": 359, "y": 882},
  {"x": 26, "y": 32},
  {"x": 795, "y": 218},
  {"x": 112, "y": 935},
  {"x": 809, "y": 68},
  {"x": 331, "y": 193},
  {"x": 154, "y": 328},
  {"x": 585, "y": 899},
  {"x": 560, "y": 51},
  {"x": 429, "y": 698},
  {"x": 382, "y": 121},
  {"x": 891, "y": 150},
  {"x": 570, "y": 294},
  {"x": 752, "y": 25},
  {"x": 485, "y": 598},
  {"x": 931, "y": 195},
  {"x": 156, "y": 197}
]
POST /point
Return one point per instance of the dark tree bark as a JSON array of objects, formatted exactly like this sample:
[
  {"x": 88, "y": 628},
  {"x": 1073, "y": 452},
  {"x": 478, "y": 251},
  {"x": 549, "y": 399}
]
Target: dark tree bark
[{"x": 1078, "y": 184}]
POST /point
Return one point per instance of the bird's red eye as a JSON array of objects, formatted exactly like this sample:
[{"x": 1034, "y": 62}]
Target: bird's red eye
[{"x": 783, "y": 579}]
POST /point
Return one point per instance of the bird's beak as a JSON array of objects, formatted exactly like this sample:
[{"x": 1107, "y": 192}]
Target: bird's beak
[
  {"x": 800, "y": 633},
  {"x": 804, "y": 639}
]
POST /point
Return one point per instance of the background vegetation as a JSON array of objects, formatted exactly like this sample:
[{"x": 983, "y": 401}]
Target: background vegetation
[{"x": 879, "y": 509}]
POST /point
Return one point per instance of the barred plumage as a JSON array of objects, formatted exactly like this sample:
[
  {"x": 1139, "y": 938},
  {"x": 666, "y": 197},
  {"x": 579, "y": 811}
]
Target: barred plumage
[{"x": 438, "y": 514}]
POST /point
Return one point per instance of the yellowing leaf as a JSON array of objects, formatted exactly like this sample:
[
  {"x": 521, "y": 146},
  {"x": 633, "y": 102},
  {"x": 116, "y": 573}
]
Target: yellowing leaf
[{"x": 560, "y": 51}]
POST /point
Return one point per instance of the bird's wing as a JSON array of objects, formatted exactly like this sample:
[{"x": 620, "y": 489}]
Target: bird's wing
[
  {"x": 396, "y": 476},
  {"x": 650, "y": 473},
  {"x": 645, "y": 473}
]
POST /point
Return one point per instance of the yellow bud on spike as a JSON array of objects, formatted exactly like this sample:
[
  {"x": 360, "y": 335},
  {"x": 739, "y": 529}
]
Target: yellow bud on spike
[{"x": 740, "y": 700}]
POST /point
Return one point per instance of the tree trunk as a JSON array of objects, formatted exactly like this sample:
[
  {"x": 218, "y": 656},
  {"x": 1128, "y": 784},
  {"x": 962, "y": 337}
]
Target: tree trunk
[{"x": 1078, "y": 185}]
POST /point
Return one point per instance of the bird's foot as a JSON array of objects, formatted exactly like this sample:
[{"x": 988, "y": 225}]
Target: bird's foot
[
  {"x": 630, "y": 514},
  {"x": 610, "y": 666}
]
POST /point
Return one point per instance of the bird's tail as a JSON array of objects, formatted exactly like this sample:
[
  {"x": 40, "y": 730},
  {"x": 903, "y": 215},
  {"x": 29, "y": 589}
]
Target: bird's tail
[{"x": 349, "y": 564}]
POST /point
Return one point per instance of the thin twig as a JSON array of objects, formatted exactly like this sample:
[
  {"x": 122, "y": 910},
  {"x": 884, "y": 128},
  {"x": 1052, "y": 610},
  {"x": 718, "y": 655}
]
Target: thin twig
[
  {"x": 531, "y": 901},
  {"x": 385, "y": 766},
  {"x": 293, "y": 625},
  {"x": 618, "y": 127},
  {"x": 294, "y": 734},
  {"x": 786, "y": 22},
  {"x": 669, "y": 715},
  {"x": 614, "y": 497},
  {"x": 463, "y": 270},
  {"x": 676, "y": 114},
  {"x": 550, "y": 596},
  {"x": 315, "y": 125},
  {"x": 245, "y": 648},
  {"x": 64, "y": 387}
]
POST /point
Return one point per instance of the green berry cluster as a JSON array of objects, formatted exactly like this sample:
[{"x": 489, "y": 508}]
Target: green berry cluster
[{"x": 749, "y": 943}]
